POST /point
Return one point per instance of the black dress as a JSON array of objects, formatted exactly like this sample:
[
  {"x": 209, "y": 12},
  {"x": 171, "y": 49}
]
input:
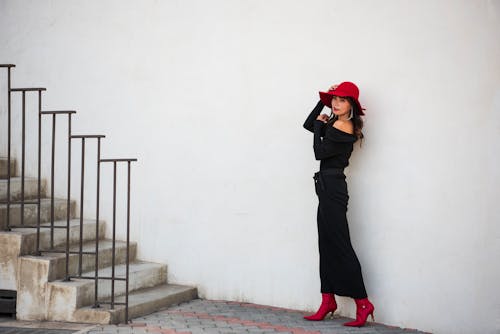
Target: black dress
[{"x": 340, "y": 271}]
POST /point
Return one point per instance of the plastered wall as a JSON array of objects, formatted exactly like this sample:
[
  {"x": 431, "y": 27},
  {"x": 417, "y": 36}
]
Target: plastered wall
[{"x": 210, "y": 96}]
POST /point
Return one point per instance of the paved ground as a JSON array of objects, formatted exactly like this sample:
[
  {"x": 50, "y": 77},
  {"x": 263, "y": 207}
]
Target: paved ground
[
  {"x": 17, "y": 330},
  {"x": 202, "y": 316},
  {"x": 10, "y": 326}
]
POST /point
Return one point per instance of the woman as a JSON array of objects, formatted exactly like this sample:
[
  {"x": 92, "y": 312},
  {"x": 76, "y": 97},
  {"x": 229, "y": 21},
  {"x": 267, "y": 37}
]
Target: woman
[{"x": 334, "y": 136}]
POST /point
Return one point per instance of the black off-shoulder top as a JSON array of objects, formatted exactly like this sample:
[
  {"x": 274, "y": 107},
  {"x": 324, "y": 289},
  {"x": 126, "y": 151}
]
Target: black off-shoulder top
[{"x": 331, "y": 145}]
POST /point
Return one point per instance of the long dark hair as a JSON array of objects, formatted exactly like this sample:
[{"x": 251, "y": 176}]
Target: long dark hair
[{"x": 356, "y": 119}]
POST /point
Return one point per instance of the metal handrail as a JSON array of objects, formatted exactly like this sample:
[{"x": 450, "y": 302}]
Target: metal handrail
[
  {"x": 52, "y": 168},
  {"x": 69, "y": 113},
  {"x": 82, "y": 178},
  {"x": 52, "y": 226},
  {"x": 23, "y": 151},
  {"x": 127, "y": 261},
  {"x": 9, "y": 67}
]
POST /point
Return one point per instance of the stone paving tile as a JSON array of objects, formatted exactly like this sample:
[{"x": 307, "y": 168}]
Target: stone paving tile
[
  {"x": 201, "y": 316},
  {"x": 17, "y": 330},
  {"x": 9, "y": 325},
  {"x": 222, "y": 317}
]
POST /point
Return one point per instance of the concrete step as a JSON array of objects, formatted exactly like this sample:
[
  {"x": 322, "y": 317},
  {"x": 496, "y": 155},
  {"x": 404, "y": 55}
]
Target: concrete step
[
  {"x": 89, "y": 233},
  {"x": 141, "y": 302},
  {"x": 35, "y": 272},
  {"x": 65, "y": 297},
  {"x": 30, "y": 188},
  {"x": 58, "y": 260},
  {"x": 22, "y": 241},
  {"x": 4, "y": 170},
  {"x": 30, "y": 212}
]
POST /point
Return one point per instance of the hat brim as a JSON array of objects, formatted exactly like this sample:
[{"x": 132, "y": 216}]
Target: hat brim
[{"x": 326, "y": 98}]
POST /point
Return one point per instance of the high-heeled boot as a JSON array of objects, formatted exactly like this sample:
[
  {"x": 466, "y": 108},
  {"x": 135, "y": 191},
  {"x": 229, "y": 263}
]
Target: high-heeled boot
[
  {"x": 328, "y": 305},
  {"x": 363, "y": 309}
]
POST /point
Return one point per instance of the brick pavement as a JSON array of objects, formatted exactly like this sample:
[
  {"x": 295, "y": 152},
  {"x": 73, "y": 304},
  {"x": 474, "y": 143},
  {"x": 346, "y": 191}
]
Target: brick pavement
[
  {"x": 17, "y": 330},
  {"x": 8, "y": 325},
  {"x": 205, "y": 316}
]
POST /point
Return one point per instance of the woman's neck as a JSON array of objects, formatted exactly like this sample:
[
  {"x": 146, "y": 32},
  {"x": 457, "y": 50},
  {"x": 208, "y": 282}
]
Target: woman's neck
[{"x": 344, "y": 119}]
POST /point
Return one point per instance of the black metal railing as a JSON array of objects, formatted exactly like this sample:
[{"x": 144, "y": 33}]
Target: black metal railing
[
  {"x": 52, "y": 226},
  {"x": 82, "y": 193},
  {"x": 113, "y": 277},
  {"x": 54, "y": 114},
  {"x": 9, "y": 121},
  {"x": 22, "y": 201}
]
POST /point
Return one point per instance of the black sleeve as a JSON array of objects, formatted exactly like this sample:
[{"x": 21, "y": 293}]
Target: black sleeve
[
  {"x": 327, "y": 148},
  {"x": 309, "y": 123}
]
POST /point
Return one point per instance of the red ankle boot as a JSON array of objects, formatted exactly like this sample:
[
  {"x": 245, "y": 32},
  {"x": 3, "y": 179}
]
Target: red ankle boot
[
  {"x": 363, "y": 309},
  {"x": 328, "y": 305}
]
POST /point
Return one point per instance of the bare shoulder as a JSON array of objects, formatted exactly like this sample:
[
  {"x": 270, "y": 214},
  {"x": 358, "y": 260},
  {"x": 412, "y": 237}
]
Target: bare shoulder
[{"x": 345, "y": 126}]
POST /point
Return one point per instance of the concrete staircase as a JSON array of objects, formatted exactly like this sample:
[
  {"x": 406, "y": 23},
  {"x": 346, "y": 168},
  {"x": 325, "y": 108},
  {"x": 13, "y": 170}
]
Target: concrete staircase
[{"x": 41, "y": 292}]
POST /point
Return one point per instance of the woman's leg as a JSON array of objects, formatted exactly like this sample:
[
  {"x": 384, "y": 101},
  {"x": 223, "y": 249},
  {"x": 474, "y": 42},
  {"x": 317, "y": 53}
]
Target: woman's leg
[
  {"x": 324, "y": 254},
  {"x": 340, "y": 267},
  {"x": 328, "y": 303}
]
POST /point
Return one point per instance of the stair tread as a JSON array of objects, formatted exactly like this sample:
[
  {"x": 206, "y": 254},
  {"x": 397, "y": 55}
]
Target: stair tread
[
  {"x": 72, "y": 223},
  {"x": 141, "y": 302},
  {"x": 88, "y": 246},
  {"x": 16, "y": 184},
  {"x": 14, "y": 180},
  {"x": 142, "y": 296},
  {"x": 19, "y": 178},
  {"x": 79, "y": 292},
  {"x": 43, "y": 201},
  {"x": 4, "y": 161},
  {"x": 134, "y": 267}
]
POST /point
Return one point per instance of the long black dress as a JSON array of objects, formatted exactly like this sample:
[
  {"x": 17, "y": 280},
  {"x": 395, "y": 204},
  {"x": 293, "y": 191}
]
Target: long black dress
[{"x": 340, "y": 271}]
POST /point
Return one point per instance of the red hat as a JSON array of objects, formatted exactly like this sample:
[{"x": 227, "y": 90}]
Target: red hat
[{"x": 344, "y": 89}]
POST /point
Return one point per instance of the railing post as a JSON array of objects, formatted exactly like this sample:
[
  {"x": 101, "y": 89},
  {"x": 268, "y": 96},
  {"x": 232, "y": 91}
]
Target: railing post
[
  {"x": 80, "y": 255},
  {"x": 114, "y": 239},
  {"x": 52, "y": 165},
  {"x": 68, "y": 207},
  {"x": 22, "y": 201},
  {"x": 39, "y": 193},
  {"x": 23, "y": 133},
  {"x": 127, "y": 256},
  {"x": 8, "y": 147},
  {"x": 8, "y": 200},
  {"x": 52, "y": 186},
  {"x": 96, "y": 295},
  {"x": 82, "y": 199},
  {"x": 128, "y": 242}
]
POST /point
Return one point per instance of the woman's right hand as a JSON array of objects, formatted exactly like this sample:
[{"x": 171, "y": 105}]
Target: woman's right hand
[{"x": 323, "y": 118}]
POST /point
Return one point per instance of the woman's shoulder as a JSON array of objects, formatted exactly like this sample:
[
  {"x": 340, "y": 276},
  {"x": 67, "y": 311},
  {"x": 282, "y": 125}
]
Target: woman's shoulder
[
  {"x": 344, "y": 126},
  {"x": 339, "y": 134}
]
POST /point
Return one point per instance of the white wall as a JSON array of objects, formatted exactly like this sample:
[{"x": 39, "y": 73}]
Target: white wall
[{"x": 210, "y": 96}]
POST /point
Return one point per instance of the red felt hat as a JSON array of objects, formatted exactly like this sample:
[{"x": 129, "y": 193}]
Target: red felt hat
[{"x": 344, "y": 89}]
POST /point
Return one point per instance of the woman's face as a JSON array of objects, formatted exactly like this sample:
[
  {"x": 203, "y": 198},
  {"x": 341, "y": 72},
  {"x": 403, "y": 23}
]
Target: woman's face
[{"x": 341, "y": 106}]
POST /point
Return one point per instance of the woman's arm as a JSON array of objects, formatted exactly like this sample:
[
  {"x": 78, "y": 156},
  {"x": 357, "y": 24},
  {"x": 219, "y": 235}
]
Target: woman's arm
[
  {"x": 309, "y": 123},
  {"x": 327, "y": 148}
]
